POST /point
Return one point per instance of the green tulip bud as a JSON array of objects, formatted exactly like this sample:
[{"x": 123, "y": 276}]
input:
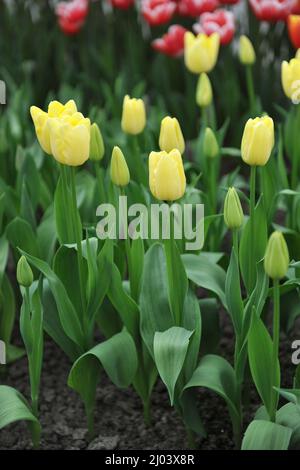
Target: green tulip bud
[
  {"x": 24, "y": 272},
  {"x": 210, "y": 145},
  {"x": 204, "y": 94},
  {"x": 277, "y": 258},
  {"x": 96, "y": 144},
  {"x": 233, "y": 212}
]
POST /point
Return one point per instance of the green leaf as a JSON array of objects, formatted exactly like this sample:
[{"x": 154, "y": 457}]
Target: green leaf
[
  {"x": 216, "y": 374},
  {"x": 290, "y": 394},
  {"x": 260, "y": 351},
  {"x": 260, "y": 244},
  {"x": 289, "y": 416},
  {"x": 233, "y": 293},
  {"x": 47, "y": 235},
  {"x": 118, "y": 358},
  {"x": 265, "y": 435},
  {"x": 205, "y": 274},
  {"x": 170, "y": 349},
  {"x": 7, "y": 310},
  {"x": 21, "y": 235},
  {"x": 154, "y": 305},
  {"x": 67, "y": 313},
  {"x": 13, "y": 407}
]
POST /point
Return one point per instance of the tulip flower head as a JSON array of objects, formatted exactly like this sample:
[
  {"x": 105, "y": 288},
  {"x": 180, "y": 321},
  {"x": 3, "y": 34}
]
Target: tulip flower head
[
  {"x": 41, "y": 119},
  {"x": 201, "y": 52},
  {"x": 246, "y": 51},
  {"x": 195, "y": 8},
  {"x": 204, "y": 94},
  {"x": 166, "y": 175},
  {"x": 258, "y": 141},
  {"x": 71, "y": 15},
  {"x": 122, "y": 4},
  {"x": 272, "y": 10},
  {"x": 119, "y": 172},
  {"x": 157, "y": 12},
  {"x": 210, "y": 144},
  {"x": 171, "y": 43},
  {"x": 133, "y": 115},
  {"x": 96, "y": 144},
  {"x": 290, "y": 78},
  {"x": 233, "y": 212},
  {"x": 171, "y": 135},
  {"x": 220, "y": 21},
  {"x": 276, "y": 261},
  {"x": 24, "y": 273},
  {"x": 70, "y": 139},
  {"x": 293, "y": 24}
]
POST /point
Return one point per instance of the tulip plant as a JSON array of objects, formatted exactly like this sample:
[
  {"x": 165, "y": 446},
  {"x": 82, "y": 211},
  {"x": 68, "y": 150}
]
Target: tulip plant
[{"x": 143, "y": 309}]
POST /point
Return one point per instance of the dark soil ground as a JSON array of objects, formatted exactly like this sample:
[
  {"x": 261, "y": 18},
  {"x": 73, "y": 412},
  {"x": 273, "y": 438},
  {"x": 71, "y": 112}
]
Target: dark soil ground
[{"x": 119, "y": 416}]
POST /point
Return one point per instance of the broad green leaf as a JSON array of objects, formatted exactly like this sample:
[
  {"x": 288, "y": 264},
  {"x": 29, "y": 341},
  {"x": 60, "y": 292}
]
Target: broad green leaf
[
  {"x": 21, "y": 235},
  {"x": 170, "y": 349},
  {"x": 260, "y": 243},
  {"x": 260, "y": 352},
  {"x": 216, "y": 374},
  {"x": 290, "y": 394},
  {"x": 154, "y": 305},
  {"x": 117, "y": 356},
  {"x": 265, "y": 435},
  {"x": 233, "y": 293},
  {"x": 289, "y": 416},
  {"x": 191, "y": 320},
  {"x": 13, "y": 407},
  {"x": 67, "y": 313},
  {"x": 205, "y": 274}
]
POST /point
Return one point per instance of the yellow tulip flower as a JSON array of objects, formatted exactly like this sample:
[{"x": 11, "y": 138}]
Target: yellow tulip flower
[
  {"x": 166, "y": 175},
  {"x": 133, "y": 115},
  {"x": 201, "y": 52},
  {"x": 171, "y": 135},
  {"x": 204, "y": 94},
  {"x": 70, "y": 139},
  {"x": 119, "y": 172},
  {"x": 290, "y": 78},
  {"x": 258, "y": 140},
  {"x": 40, "y": 119},
  {"x": 246, "y": 51}
]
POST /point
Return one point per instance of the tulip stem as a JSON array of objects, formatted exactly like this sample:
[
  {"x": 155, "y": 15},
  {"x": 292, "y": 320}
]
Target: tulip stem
[
  {"x": 276, "y": 333},
  {"x": 78, "y": 237},
  {"x": 66, "y": 203},
  {"x": 250, "y": 87},
  {"x": 252, "y": 259}
]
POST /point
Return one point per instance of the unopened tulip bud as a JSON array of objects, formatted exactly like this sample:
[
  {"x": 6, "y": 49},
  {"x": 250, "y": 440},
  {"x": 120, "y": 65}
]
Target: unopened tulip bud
[
  {"x": 277, "y": 259},
  {"x": 233, "y": 212},
  {"x": 133, "y": 115},
  {"x": 96, "y": 144},
  {"x": 246, "y": 51},
  {"x": 24, "y": 273},
  {"x": 258, "y": 141},
  {"x": 171, "y": 135},
  {"x": 204, "y": 94},
  {"x": 119, "y": 172},
  {"x": 210, "y": 144}
]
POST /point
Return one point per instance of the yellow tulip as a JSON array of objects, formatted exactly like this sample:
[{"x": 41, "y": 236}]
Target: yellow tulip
[
  {"x": 204, "y": 94},
  {"x": 258, "y": 140},
  {"x": 171, "y": 135},
  {"x": 233, "y": 212},
  {"x": 119, "y": 172},
  {"x": 201, "y": 52},
  {"x": 166, "y": 175},
  {"x": 70, "y": 139},
  {"x": 40, "y": 119},
  {"x": 290, "y": 78},
  {"x": 133, "y": 115},
  {"x": 246, "y": 51}
]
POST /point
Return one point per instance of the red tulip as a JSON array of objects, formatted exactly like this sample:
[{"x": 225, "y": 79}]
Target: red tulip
[
  {"x": 296, "y": 8},
  {"x": 293, "y": 24},
  {"x": 72, "y": 15},
  {"x": 172, "y": 43},
  {"x": 272, "y": 10},
  {"x": 122, "y": 4},
  {"x": 158, "y": 12},
  {"x": 220, "y": 21},
  {"x": 229, "y": 2},
  {"x": 196, "y": 7}
]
